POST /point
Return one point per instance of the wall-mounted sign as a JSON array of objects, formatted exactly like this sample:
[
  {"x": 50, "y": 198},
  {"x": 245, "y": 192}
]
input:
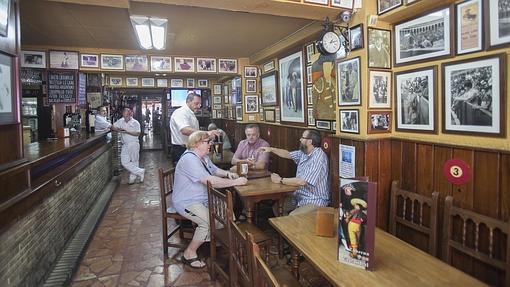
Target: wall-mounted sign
[
  {"x": 457, "y": 171},
  {"x": 61, "y": 87}
]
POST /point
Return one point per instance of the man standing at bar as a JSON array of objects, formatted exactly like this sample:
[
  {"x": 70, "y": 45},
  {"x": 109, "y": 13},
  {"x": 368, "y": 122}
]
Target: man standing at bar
[
  {"x": 247, "y": 150},
  {"x": 312, "y": 175},
  {"x": 102, "y": 124},
  {"x": 129, "y": 128}
]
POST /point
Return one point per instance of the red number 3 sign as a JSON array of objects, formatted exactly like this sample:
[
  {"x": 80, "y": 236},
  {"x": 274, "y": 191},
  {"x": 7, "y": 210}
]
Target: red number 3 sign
[{"x": 457, "y": 171}]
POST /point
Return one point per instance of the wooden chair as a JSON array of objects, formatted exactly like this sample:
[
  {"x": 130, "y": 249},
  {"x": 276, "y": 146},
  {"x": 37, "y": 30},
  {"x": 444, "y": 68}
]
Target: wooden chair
[
  {"x": 489, "y": 255},
  {"x": 241, "y": 273},
  {"x": 166, "y": 180},
  {"x": 414, "y": 218}
]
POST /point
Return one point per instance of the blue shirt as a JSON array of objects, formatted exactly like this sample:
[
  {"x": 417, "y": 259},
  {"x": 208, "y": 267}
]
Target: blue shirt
[
  {"x": 314, "y": 169},
  {"x": 188, "y": 188}
]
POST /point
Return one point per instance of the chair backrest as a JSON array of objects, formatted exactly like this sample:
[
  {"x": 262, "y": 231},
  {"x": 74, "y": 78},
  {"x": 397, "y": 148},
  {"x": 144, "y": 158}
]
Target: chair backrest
[
  {"x": 262, "y": 275},
  {"x": 241, "y": 260},
  {"x": 220, "y": 206},
  {"x": 493, "y": 254},
  {"x": 413, "y": 217},
  {"x": 166, "y": 181}
]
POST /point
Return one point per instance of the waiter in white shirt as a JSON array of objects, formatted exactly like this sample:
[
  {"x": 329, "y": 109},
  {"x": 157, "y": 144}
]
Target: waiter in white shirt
[
  {"x": 102, "y": 124},
  {"x": 183, "y": 123},
  {"x": 129, "y": 129}
]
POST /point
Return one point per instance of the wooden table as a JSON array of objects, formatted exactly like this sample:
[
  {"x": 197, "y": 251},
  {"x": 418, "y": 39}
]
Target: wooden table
[{"x": 396, "y": 262}]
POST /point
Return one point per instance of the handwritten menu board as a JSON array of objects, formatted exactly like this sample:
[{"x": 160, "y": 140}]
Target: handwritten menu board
[
  {"x": 61, "y": 87},
  {"x": 82, "y": 90}
]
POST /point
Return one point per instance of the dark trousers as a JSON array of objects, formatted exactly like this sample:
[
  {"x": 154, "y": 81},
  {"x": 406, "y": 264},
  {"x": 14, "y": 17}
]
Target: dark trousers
[{"x": 176, "y": 152}]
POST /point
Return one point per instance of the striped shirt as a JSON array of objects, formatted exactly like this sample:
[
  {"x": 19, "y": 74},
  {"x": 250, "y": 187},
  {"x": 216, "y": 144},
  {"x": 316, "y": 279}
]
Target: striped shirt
[{"x": 314, "y": 169}]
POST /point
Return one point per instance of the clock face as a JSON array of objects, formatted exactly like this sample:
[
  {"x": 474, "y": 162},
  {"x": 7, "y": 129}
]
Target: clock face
[{"x": 331, "y": 42}]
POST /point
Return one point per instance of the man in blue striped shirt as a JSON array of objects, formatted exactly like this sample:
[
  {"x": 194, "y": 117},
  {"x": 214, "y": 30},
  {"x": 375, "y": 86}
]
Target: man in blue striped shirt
[{"x": 312, "y": 174}]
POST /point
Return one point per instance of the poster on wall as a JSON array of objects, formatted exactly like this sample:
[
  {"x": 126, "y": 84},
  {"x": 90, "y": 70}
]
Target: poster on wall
[
  {"x": 291, "y": 88},
  {"x": 324, "y": 86},
  {"x": 347, "y": 160}
]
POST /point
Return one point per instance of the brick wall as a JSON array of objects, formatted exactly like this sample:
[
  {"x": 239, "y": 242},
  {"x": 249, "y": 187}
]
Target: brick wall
[{"x": 30, "y": 246}]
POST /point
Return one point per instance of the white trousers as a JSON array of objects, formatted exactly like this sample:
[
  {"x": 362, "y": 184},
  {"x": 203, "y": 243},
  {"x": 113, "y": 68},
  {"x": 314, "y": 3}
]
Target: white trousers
[{"x": 129, "y": 158}]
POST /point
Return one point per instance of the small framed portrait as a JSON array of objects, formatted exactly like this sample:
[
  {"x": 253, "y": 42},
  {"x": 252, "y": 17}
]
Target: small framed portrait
[
  {"x": 269, "y": 84},
  {"x": 217, "y": 100},
  {"x": 349, "y": 82},
  {"x": 251, "y": 86},
  {"x": 379, "y": 48},
  {"x": 309, "y": 95},
  {"x": 132, "y": 82},
  {"x": 269, "y": 66},
  {"x": 469, "y": 33},
  {"x": 347, "y": 4},
  {"x": 115, "y": 81},
  {"x": 349, "y": 121},
  {"x": 251, "y": 104},
  {"x": 277, "y": 114},
  {"x": 162, "y": 83},
  {"x": 161, "y": 64},
  {"x": 379, "y": 89},
  {"x": 9, "y": 109},
  {"x": 310, "y": 117},
  {"x": 322, "y": 2},
  {"x": 112, "y": 62},
  {"x": 190, "y": 83},
  {"x": 227, "y": 66},
  {"x": 499, "y": 26},
  {"x": 333, "y": 125},
  {"x": 226, "y": 99},
  {"x": 203, "y": 83},
  {"x": 33, "y": 59},
  {"x": 214, "y": 114},
  {"x": 64, "y": 60},
  {"x": 5, "y": 7},
  {"x": 216, "y": 89},
  {"x": 184, "y": 65},
  {"x": 310, "y": 51},
  {"x": 176, "y": 83},
  {"x": 291, "y": 86},
  {"x": 323, "y": 125},
  {"x": 269, "y": 115},
  {"x": 474, "y": 92},
  {"x": 147, "y": 82},
  {"x": 415, "y": 97},
  {"x": 309, "y": 75},
  {"x": 239, "y": 113},
  {"x": 89, "y": 61},
  {"x": 384, "y": 6},
  {"x": 379, "y": 122},
  {"x": 206, "y": 65},
  {"x": 356, "y": 37},
  {"x": 137, "y": 63},
  {"x": 250, "y": 72},
  {"x": 217, "y": 107}
]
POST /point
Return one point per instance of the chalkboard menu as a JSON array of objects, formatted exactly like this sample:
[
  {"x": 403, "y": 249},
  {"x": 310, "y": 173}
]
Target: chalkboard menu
[
  {"x": 82, "y": 90},
  {"x": 61, "y": 87}
]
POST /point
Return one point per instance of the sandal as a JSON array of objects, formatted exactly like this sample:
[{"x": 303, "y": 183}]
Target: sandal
[{"x": 189, "y": 262}]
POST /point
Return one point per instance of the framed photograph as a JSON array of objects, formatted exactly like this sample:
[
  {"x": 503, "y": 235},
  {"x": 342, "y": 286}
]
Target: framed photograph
[
  {"x": 310, "y": 51},
  {"x": 356, "y": 37},
  {"x": 269, "y": 66},
  {"x": 161, "y": 83},
  {"x": 251, "y": 86},
  {"x": 349, "y": 82},
  {"x": 309, "y": 74},
  {"x": 147, "y": 82},
  {"x": 217, "y": 107},
  {"x": 277, "y": 114},
  {"x": 379, "y": 48},
  {"x": 112, "y": 62},
  {"x": 131, "y": 82},
  {"x": 349, "y": 121},
  {"x": 227, "y": 66},
  {"x": 5, "y": 7},
  {"x": 251, "y": 104},
  {"x": 474, "y": 92},
  {"x": 322, "y": 2},
  {"x": 311, "y": 118},
  {"x": 217, "y": 100},
  {"x": 161, "y": 64},
  {"x": 416, "y": 100},
  {"x": 250, "y": 72},
  {"x": 309, "y": 95},
  {"x": 184, "y": 65},
  {"x": 89, "y": 61},
  {"x": 115, "y": 81},
  {"x": 226, "y": 99},
  {"x": 347, "y": 4},
  {"x": 8, "y": 106},
  {"x": 426, "y": 37},
  {"x": 203, "y": 83},
  {"x": 190, "y": 83},
  {"x": 214, "y": 114},
  {"x": 499, "y": 26},
  {"x": 291, "y": 88},
  {"x": 33, "y": 59},
  {"x": 468, "y": 31},
  {"x": 379, "y": 122},
  {"x": 269, "y": 84},
  {"x": 64, "y": 60},
  {"x": 380, "y": 89},
  {"x": 333, "y": 125},
  {"x": 206, "y": 65},
  {"x": 262, "y": 115},
  {"x": 239, "y": 113},
  {"x": 269, "y": 115},
  {"x": 323, "y": 125},
  {"x": 384, "y": 6},
  {"x": 176, "y": 83},
  {"x": 216, "y": 89},
  {"x": 137, "y": 63}
]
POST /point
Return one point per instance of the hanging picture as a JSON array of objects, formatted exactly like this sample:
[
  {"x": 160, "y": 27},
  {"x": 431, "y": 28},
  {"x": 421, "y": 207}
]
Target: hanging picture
[
  {"x": 176, "y": 83},
  {"x": 161, "y": 83},
  {"x": 269, "y": 115},
  {"x": 115, "y": 81},
  {"x": 251, "y": 86},
  {"x": 64, "y": 60},
  {"x": 310, "y": 50},
  {"x": 190, "y": 83},
  {"x": 349, "y": 120},
  {"x": 311, "y": 118},
  {"x": 227, "y": 66},
  {"x": 239, "y": 113},
  {"x": 5, "y": 7},
  {"x": 250, "y": 72},
  {"x": 323, "y": 125},
  {"x": 291, "y": 88},
  {"x": 183, "y": 64},
  {"x": 269, "y": 66},
  {"x": 309, "y": 95},
  {"x": 206, "y": 65},
  {"x": 89, "y": 61},
  {"x": 349, "y": 82},
  {"x": 356, "y": 37},
  {"x": 380, "y": 89},
  {"x": 379, "y": 122},
  {"x": 277, "y": 112},
  {"x": 384, "y": 6},
  {"x": 499, "y": 27},
  {"x": 137, "y": 63},
  {"x": 147, "y": 82},
  {"x": 347, "y": 4},
  {"x": 269, "y": 89},
  {"x": 217, "y": 89},
  {"x": 132, "y": 82},
  {"x": 8, "y": 105},
  {"x": 161, "y": 64},
  {"x": 33, "y": 59},
  {"x": 379, "y": 52},
  {"x": 203, "y": 83},
  {"x": 112, "y": 62},
  {"x": 323, "y": 89},
  {"x": 469, "y": 33},
  {"x": 251, "y": 104}
]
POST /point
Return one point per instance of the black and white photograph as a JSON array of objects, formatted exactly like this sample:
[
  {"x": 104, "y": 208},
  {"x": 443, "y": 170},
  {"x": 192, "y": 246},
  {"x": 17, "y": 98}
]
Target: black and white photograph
[
  {"x": 190, "y": 83},
  {"x": 310, "y": 51},
  {"x": 309, "y": 75},
  {"x": 137, "y": 63},
  {"x": 112, "y": 62},
  {"x": 161, "y": 83},
  {"x": 469, "y": 28},
  {"x": 291, "y": 88},
  {"x": 252, "y": 104},
  {"x": 89, "y": 60},
  {"x": 384, "y": 6},
  {"x": 269, "y": 84},
  {"x": 423, "y": 38},
  {"x": 416, "y": 99},
  {"x": 349, "y": 121},
  {"x": 206, "y": 65},
  {"x": 33, "y": 59},
  {"x": 269, "y": 66},
  {"x": 269, "y": 116},
  {"x": 499, "y": 15},
  {"x": 7, "y": 99},
  {"x": 349, "y": 82},
  {"x": 5, "y": 6},
  {"x": 379, "y": 122},
  {"x": 311, "y": 118},
  {"x": 115, "y": 81},
  {"x": 379, "y": 48},
  {"x": 309, "y": 95},
  {"x": 64, "y": 60},
  {"x": 347, "y": 4},
  {"x": 132, "y": 82},
  {"x": 251, "y": 86},
  {"x": 277, "y": 112},
  {"x": 380, "y": 89},
  {"x": 217, "y": 100},
  {"x": 184, "y": 65},
  {"x": 250, "y": 71},
  {"x": 161, "y": 64},
  {"x": 203, "y": 83},
  {"x": 176, "y": 83},
  {"x": 239, "y": 113},
  {"x": 356, "y": 37},
  {"x": 323, "y": 125},
  {"x": 227, "y": 66},
  {"x": 473, "y": 95},
  {"x": 147, "y": 82},
  {"x": 216, "y": 89}
]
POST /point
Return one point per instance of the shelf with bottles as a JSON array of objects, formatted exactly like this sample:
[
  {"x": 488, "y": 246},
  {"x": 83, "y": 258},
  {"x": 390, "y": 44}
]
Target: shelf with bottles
[{"x": 412, "y": 10}]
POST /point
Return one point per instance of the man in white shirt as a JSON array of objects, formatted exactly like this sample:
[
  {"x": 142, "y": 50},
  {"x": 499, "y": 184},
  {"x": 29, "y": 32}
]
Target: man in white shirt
[
  {"x": 102, "y": 124},
  {"x": 129, "y": 130}
]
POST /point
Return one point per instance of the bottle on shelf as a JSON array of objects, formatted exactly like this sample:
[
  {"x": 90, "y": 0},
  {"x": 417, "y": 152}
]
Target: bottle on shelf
[
  {"x": 90, "y": 119},
  {"x": 68, "y": 116}
]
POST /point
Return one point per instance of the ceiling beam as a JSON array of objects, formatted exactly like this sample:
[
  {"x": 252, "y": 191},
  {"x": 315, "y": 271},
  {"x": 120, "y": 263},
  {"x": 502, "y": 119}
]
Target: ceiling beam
[{"x": 106, "y": 3}]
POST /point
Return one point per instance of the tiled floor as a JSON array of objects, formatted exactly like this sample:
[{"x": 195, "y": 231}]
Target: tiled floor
[{"x": 126, "y": 249}]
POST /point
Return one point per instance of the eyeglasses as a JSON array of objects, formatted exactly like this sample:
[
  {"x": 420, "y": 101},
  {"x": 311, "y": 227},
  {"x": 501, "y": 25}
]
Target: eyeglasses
[{"x": 207, "y": 141}]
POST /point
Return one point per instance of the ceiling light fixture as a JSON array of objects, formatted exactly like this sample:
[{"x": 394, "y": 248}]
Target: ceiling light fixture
[{"x": 151, "y": 32}]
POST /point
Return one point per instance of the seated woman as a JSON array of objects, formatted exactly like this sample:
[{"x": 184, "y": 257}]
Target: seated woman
[{"x": 189, "y": 196}]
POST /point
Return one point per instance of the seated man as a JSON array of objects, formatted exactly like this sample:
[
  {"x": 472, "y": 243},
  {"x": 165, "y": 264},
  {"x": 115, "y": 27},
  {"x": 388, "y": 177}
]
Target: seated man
[
  {"x": 224, "y": 137},
  {"x": 247, "y": 150},
  {"x": 312, "y": 176}
]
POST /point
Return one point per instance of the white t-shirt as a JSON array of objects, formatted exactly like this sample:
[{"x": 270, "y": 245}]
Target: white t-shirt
[
  {"x": 181, "y": 118},
  {"x": 131, "y": 126},
  {"x": 101, "y": 124}
]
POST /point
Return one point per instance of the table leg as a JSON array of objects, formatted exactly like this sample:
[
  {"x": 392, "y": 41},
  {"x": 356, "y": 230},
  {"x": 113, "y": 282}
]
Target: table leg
[
  {"x": 280, "y": 239},
  {"x": 249, "y": 211},
  {"x": 295, "y": 263}
]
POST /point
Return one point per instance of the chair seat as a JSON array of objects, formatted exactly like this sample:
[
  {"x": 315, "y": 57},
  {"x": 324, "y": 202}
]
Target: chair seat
[
  {"x": 285, "y": 277},
  {"x": 259, "y": 236}
]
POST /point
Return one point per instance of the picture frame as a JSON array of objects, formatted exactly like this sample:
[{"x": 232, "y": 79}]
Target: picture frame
[
  {"x": 216, "y": 89},
  {"x": 384, "y": 6},
  {"x": 116, "y": 81},
  {"x": 356, "y": 37},
  {"x": 214, "y": 114},
  {"x": 251, "y": 104},
  {"x": 176, "y": 83},
  {"x": 250, "y": 71},
  {"x": 5, "y": 7},
  {"x": 310, "y": 117},
  {"x": 379, "y": 48},
  {"x": 161, "y": 64},
  {"x": 269, "y": 115},
  {"x": 227, "y": 66},
  {"x": 321, "y": 2},
  {"x": 269, "y": 83},
  {"x": 309, "y": 75},
  {"x": 89, "y": 61},
  {"x": 206, "y": 65},
  {"x": 278, "y": 114},
  {"x": 498, "y": 28},
  {"x": 33, "y": 59},
  {"x": 112, "y": 62},
  {"x": 468, "y": 31},
  {"x": 262, "y": 114},
  {"x": 65, "y": 60},
  {"x": 346, "y": 4},
  {"x": 239, "y": 113},
  {"x": 333, "y": 125},
  {"x": 379, "y": 122},
  {"x": 420, "y": 46},
  {"x": 148, "y": 82},
  {"x": 309, "y": 95},
  {"x": 137, "y": 63},
  {"x": 310, "y": 51},
  {"x": 416, "y": 100},
  {"x": 323, "y": 125},
  {"x": 184, "y": 64},
  {"x": 379, "y": 93},
  {"x": 203, "y": 83},
  {"x": 474, "y": 96},
  {"x": 291, "y": 88},
  {"x": 162, "y": 83},
  {"x": 269, "y": 66},
  {"x": 132, "y": 82},
  {"x": 251, "y": 86},
  {"x": 9, "y": 109},
  {"x": 349, "y": 82},
  {"x": 217, "y": 106},
  {"x": 226, "y": 99},
  {"x": 349, "y": 121},
  {"x": 217, "y": 100},
  {"x": 190, "y": 83}
]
